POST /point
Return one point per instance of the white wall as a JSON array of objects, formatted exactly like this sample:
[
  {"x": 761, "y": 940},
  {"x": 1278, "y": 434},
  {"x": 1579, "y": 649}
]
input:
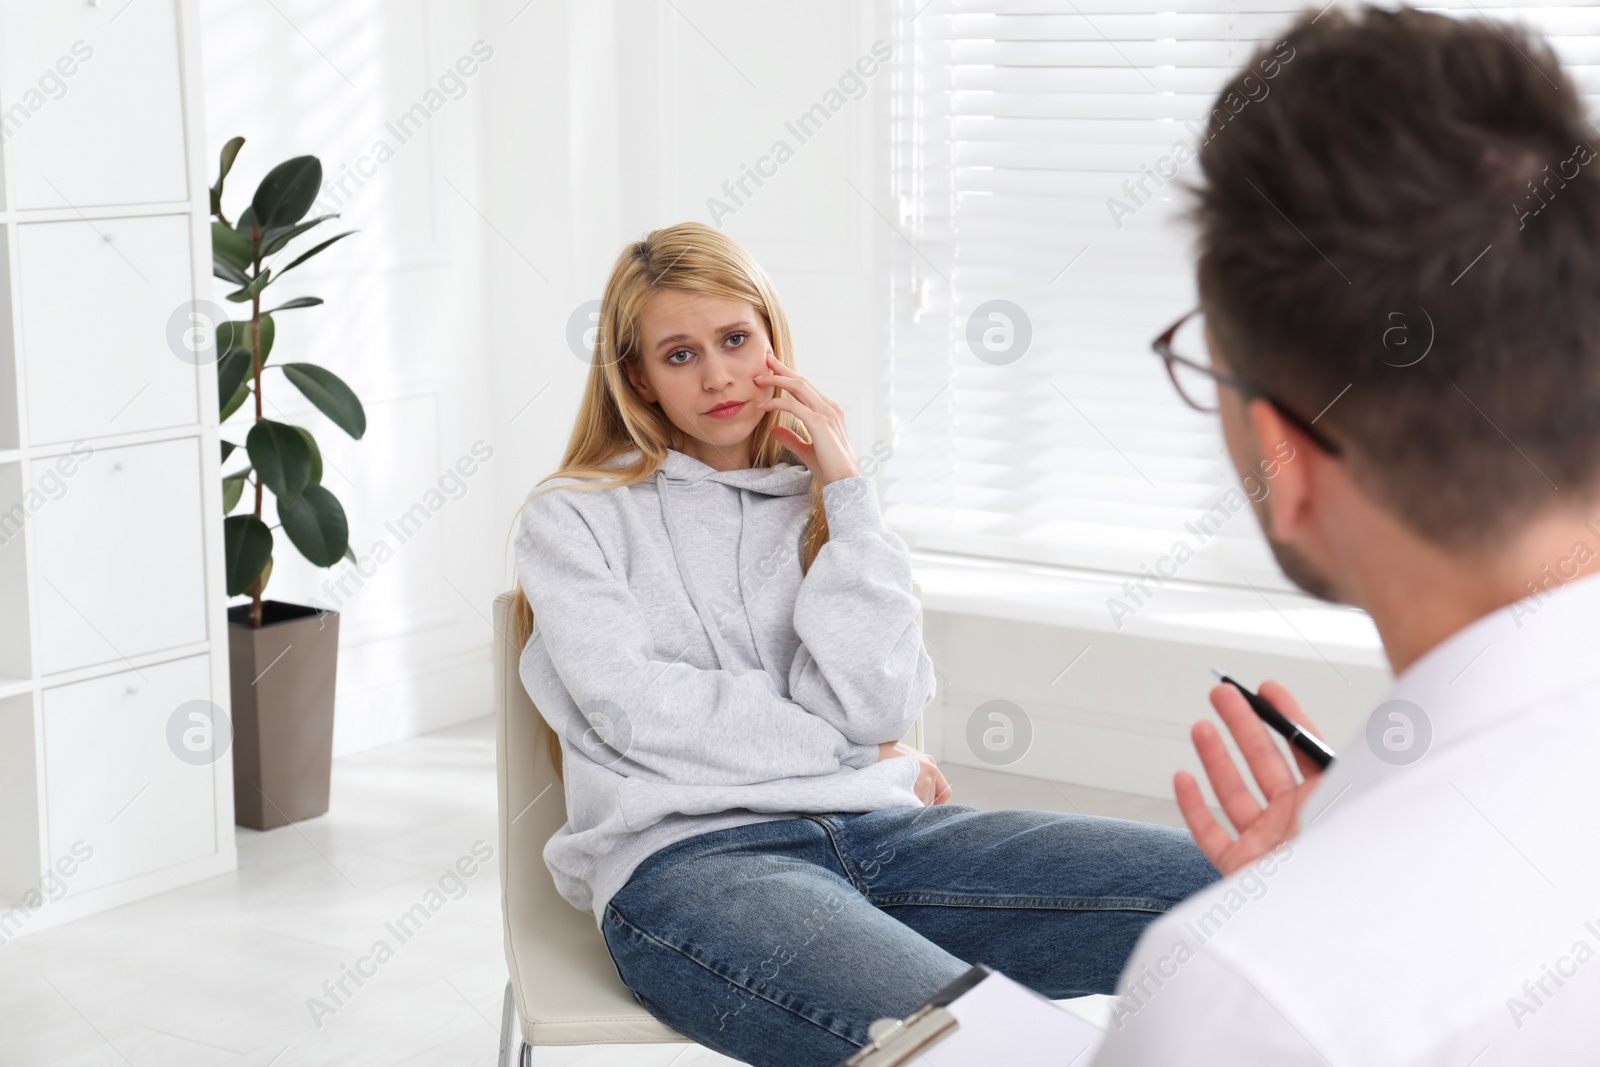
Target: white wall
[{"x": 1114, "y": 710}]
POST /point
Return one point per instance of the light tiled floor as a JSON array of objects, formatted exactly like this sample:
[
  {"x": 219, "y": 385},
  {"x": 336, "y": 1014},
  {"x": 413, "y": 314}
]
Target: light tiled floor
[{"x": 224, "y": 971}]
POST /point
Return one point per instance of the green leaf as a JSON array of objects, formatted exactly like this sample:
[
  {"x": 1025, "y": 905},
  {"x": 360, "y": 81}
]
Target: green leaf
[
  {"x": 258, "y": 283},
  {"x": 229, "y": 248},
  {"x": 281, "y": 458},
  {"x": 316, "y": 454},
  {"x": 246, "y": 546},
  {"x": 229, "y": 273},
  {"x": 235, "y": 402},
  {"x": 307, "y": 255},
  {"x": 278, "y": 236},
  {"x": 287, "y": 192},
  {"x": 316, "y": 524},
  {"x": 232, "y": 490},
  {"x": 269, "y": 331},
  {"x": 230, "y": 151},
  {"x": 246, "y": 228},
  {"x": 299, "y": 302},
  {"x": 227, "y": 450},
  {"x": 332, "y": 397},
  {"x": 350, "y": 554},
  {"x": 233, "y": 370},
  {"x": 236, "y": 334}
]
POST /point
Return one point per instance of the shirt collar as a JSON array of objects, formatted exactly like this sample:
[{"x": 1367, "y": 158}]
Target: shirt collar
[
  {"x": 1515, "y": 656},
  {"x": 1496, "y": 666}
]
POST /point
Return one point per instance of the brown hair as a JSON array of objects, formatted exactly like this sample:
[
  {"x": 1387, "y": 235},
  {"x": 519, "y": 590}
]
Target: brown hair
[
  {"x": 1416, "y": 170},
  {"x": 612, "y": 419}
]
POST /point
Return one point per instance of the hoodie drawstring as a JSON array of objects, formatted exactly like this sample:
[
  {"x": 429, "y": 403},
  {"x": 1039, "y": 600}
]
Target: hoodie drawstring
[{"x": 713, "y": 632}]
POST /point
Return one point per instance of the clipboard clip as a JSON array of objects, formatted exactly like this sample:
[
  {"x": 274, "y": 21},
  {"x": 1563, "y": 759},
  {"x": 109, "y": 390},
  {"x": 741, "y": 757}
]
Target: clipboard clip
[{"x": 904, "y": 1038}]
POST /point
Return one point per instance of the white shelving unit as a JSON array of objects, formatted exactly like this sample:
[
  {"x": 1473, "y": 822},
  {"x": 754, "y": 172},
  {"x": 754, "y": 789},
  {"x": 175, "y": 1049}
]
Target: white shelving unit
[{"x": 112, "y": 605}]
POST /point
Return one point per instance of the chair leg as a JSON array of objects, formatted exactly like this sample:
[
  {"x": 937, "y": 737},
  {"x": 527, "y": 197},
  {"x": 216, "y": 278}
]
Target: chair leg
[{"x": 510, "y": 1032}]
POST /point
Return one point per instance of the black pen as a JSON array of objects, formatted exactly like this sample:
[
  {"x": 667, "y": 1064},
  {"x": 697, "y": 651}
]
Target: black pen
[{"x": 1310, "y": 746}]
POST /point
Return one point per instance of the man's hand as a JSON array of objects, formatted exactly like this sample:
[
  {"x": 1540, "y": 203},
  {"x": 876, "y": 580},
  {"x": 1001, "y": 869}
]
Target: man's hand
[
  {"x": 1260, "y": 829},
  {"x": 931, "y": 788}
]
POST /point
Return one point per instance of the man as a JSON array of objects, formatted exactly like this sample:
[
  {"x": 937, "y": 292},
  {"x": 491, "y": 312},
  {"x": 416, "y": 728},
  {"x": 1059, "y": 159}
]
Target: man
[{"x": 1400, "y": 275}]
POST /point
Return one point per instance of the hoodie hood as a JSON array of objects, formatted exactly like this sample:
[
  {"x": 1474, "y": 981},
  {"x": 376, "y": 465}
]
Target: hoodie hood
[
  {"x": 680, "y": 473},
  {"x": 783, "y": 479}
]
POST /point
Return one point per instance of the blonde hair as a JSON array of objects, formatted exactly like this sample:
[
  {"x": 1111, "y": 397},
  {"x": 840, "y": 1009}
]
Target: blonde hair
[{"x": 612, "y": 420}]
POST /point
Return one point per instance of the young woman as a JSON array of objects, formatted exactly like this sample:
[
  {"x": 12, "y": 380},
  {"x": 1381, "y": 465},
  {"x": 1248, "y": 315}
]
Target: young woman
[{"x": 722, "y": 635}]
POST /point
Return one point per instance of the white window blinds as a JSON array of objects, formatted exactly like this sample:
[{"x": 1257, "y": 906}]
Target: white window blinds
[{"x": 1023, "y": 137}]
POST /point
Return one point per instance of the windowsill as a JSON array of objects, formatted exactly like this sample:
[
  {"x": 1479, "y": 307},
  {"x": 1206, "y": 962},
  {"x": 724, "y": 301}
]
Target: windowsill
[{"x": 1287, "y": 624}]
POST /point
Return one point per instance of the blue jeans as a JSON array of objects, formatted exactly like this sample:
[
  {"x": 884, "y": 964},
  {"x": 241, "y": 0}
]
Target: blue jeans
[{"x": 777, "y": 943}]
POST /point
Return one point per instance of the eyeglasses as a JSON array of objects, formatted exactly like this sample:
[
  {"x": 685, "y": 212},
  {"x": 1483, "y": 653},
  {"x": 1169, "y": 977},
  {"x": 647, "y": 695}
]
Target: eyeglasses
[{"x": 1196, "y": 382}]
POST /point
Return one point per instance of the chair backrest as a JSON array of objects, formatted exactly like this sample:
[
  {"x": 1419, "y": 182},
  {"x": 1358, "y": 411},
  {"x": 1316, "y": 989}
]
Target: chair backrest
[
  {"x": 564, "y": 986},
  {"x": 532, "y": 801},
  {"x": 529, "y": 772}
]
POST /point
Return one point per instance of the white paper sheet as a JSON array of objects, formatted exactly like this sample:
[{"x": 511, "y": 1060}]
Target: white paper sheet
[{"x": 1003, "y": 1021}]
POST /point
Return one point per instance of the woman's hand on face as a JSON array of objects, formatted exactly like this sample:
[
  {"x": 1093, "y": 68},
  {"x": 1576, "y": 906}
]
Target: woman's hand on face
[
  {"x": 931, "y": 787},
  {"x": 828, "y": 454}
]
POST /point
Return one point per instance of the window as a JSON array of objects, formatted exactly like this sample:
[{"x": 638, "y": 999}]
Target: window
[{"x": 1035, "y": 165}]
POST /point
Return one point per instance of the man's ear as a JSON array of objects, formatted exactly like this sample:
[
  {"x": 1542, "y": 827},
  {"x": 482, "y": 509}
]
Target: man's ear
[
  {"x": 1288, "y": 461},
  {"x": 640, "y": 385}
]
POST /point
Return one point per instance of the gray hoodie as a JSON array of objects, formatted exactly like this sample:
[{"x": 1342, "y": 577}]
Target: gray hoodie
[{"x": 696, "y": 681}]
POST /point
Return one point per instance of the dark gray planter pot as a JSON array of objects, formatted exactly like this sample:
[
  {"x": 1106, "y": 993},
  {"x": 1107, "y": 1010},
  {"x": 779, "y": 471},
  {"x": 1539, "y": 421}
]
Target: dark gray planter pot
[{"x": 282, "y": 686}]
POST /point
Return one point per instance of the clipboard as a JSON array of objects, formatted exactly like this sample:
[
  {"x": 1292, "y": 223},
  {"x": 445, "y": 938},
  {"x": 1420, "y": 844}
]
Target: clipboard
[{"x": 1005, "y": 1022}]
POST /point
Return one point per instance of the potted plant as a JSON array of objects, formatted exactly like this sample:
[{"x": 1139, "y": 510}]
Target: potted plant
[{"x": 282, "y": 655}]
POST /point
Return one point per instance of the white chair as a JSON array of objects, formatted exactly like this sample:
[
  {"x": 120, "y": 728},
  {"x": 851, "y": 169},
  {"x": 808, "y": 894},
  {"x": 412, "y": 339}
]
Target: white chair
[{"x": 564, "y": 988}]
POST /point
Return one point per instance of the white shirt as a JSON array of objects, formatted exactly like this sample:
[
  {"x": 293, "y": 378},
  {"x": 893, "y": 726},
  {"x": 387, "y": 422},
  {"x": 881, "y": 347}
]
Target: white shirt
[{"x": 1442, "y": 912}]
